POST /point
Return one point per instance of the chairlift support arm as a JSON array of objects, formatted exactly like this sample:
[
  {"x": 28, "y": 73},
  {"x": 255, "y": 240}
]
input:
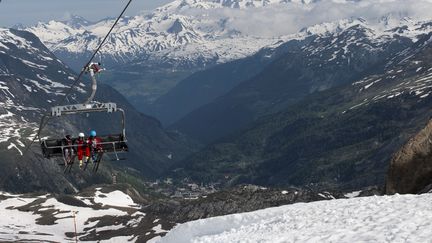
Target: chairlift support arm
[
  {"x": 94, "y": 85},
  {"x": 59, "y": 111}
]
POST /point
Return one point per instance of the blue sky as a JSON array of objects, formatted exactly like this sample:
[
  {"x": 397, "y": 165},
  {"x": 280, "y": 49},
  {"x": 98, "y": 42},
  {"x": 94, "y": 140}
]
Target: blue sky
[{"x": 31, "y": 11}]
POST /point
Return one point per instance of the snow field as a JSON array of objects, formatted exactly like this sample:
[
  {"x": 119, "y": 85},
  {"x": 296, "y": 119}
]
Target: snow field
[
  {"x": 26, "y": 225},
  {"x": 397, "y": 218}
]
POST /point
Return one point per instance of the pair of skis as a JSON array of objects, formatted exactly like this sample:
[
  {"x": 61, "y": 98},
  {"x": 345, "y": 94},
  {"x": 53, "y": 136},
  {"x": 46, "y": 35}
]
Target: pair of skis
[
  {"x": 70, "y": 158},
  {"x": 95, "y": 162}
]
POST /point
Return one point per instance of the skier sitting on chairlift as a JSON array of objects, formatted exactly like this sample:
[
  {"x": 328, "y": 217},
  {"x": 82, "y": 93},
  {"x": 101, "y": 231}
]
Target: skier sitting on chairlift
[
  {"x": 68, "y": 150},
  {"x": 81, "y": 148},
  {"x": 94, "y": 147}
]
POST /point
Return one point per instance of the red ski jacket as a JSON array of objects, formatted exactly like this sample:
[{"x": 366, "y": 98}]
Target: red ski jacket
[
  {"x": 81, "y": 148},
  {"x": 94, "y": 143}
]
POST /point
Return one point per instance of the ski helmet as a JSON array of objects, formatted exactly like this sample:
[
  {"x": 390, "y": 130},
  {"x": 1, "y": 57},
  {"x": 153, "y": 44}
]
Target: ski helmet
[
  {"x": 81, "y": 135},
  {"x": 93, "y": 133}
]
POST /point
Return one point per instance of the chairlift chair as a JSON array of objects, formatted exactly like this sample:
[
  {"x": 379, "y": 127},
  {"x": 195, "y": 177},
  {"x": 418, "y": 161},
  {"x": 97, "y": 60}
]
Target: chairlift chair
[{"x": 111, "y": 144}]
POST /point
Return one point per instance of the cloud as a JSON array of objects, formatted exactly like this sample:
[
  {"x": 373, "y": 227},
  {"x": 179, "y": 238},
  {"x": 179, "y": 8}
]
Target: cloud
[{"x": 291, "y": 17}]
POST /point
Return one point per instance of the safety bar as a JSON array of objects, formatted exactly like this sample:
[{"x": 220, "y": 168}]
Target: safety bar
[{"x": 76, "y": 145}]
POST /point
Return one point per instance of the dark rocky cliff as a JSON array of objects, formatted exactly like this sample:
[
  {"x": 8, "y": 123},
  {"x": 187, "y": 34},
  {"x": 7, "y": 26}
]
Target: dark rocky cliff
[{"x": 410, "y": 169}]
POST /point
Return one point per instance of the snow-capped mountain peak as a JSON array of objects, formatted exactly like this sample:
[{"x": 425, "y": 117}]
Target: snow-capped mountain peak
[
  {"x": 163, "y": 35},
  {"x": 213, "y": 4},
  {"x": 76, "y": 21}
]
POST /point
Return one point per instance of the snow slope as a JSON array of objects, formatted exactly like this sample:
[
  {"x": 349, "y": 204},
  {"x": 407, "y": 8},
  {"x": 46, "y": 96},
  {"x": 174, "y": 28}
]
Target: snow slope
[{"x": 398, "y": 218}]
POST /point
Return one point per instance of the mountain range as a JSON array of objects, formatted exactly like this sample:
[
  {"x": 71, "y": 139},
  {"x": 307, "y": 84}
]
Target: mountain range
[
  {"x": 341, "y": 137},
  {"x": 170, "y": 35},
  {"x": 346, "y": 52}
]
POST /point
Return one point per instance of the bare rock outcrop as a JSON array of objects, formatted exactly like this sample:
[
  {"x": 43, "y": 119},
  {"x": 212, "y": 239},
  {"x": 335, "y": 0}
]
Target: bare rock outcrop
[{"x": 410, "y": 169}]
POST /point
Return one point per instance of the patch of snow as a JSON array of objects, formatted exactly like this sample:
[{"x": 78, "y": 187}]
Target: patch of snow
[
  {"x": 12, "y": 145},
  {"x": 424, "y": 96},
  {"x": 28, "y": 88},
  {"x": 46, "y": 58},
  {"x": 52, "y": 83},
  {"x": 3, "y": 46},
  {"x": 110, "y": 227},
  {"x": 352, "y": 194},
  {"x": 394, "y": 95},
  {"x": 119, "y": 239},
  {"x": 158, "y": 229},
  {"x": 372, "y": 83},
  {"x": 34, "y": 65},
  {"x": 115, "y": 198},
  {"x": 135, "y": 222}
]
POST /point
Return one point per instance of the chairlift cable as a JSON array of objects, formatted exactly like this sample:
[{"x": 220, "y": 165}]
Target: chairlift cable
[{"x": 80, "y": 75}]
